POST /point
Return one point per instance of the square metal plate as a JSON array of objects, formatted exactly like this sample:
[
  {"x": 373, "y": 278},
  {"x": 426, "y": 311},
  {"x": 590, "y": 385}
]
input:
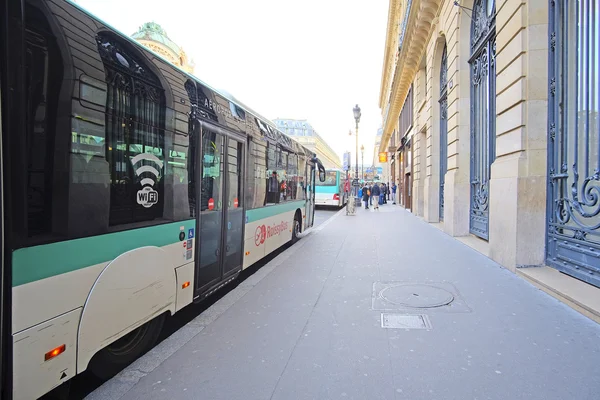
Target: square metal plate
[{"x": 405, "y": 321}]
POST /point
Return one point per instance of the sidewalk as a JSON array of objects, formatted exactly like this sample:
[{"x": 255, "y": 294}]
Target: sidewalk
[{"x": 308, "y": 325}]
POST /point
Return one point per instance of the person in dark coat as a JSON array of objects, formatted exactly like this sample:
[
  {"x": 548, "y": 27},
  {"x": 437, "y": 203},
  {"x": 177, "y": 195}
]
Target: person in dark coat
[
  {"x": 365, "y": 196},
  {"x": 376, "y": 192}
]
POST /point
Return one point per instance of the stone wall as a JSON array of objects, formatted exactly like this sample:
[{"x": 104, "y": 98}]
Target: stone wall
[{"x": 518, "y": 174}]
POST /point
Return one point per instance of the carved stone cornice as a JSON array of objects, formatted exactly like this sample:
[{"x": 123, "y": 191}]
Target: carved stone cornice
[{"x": 419, "y": 28}]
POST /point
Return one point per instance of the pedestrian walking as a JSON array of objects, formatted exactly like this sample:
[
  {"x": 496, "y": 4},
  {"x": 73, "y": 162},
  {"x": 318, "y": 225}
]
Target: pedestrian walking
[
  {"x": 366, "y": 194},
  {"x": 385, "y": 193},
  {"x": 394, "y": 188},
  {"x": 376, "y": 193}
]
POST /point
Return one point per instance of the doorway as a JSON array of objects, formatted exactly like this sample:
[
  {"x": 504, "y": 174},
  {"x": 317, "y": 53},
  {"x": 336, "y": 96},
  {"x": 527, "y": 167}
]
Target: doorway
[{"x": 220, "y": 211}]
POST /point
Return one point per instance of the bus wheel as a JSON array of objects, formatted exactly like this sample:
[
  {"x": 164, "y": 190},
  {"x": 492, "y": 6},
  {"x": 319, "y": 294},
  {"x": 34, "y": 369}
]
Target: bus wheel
[
  {"x": 296, "y": 228},
  {"x": 113, "y": 358}
]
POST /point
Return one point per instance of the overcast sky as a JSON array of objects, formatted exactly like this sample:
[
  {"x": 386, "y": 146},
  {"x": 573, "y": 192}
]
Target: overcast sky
[{"x": 309, "y": 59}]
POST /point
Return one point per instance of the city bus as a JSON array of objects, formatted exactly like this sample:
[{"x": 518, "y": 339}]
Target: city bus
[
  {"x": 331, "y": 191},
  {"x": 132, "y": 189}
]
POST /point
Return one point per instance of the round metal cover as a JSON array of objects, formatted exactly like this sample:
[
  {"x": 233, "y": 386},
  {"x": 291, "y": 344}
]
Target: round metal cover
[{"x": 417, "y": 296}]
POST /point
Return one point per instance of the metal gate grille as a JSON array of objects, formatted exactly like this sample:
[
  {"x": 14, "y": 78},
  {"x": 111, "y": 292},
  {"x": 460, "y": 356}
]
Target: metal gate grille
[
  {"x": 483, "y": 113},
  {"x": 443, "y": 127},
  {"x": 573, "y": 139}
]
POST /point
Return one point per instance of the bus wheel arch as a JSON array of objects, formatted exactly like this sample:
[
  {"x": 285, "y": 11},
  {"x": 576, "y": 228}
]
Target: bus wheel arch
[
  {"x": 129, "y": 300},
  {"x": 108, "y": 361},
  {"x": 296, "y": 226}
]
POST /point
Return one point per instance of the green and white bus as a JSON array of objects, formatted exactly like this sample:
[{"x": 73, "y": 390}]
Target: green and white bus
[
  {"x": 131, "y": 189},
  {"x": 331, "y": 191}
]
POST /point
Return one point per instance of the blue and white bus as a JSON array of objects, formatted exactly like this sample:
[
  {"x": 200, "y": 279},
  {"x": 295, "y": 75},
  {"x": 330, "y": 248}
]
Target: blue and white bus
[
  {"x": 331, "y": 191},
  {"x": 131, "y": 190}
]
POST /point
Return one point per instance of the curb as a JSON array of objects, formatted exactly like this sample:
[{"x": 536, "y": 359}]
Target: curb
[{"x": 120, "y": 384}]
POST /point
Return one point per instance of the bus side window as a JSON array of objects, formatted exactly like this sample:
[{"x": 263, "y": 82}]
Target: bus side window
[
  {"x": 40, "y": 183},
  {"x": 256, "y": 195}
]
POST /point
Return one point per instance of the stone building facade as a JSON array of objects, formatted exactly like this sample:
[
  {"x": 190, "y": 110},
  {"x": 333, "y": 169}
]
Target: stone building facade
[
  {"x": 154, "y": 37},
  {"x": 489, "y": 108},
  {"x": 304, "y": 133}
]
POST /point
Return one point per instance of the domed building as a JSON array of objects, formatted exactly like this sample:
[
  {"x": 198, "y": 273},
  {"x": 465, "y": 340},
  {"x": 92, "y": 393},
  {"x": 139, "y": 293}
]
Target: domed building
[{"x": 154, "y": 37}]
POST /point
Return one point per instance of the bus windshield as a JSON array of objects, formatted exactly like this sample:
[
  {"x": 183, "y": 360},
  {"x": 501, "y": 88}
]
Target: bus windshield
[{"x": 330, "y": 179}]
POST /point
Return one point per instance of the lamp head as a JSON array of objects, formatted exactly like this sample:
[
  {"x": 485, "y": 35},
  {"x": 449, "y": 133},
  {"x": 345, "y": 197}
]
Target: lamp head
[{"x": 356, "y": 111}]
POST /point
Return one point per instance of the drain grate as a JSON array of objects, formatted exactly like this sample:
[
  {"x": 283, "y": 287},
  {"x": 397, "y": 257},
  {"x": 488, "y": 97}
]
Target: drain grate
[{"x": 405, "y": 321}]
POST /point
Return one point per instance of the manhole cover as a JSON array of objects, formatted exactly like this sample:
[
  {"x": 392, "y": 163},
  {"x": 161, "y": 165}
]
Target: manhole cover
[{"x": 417, "y": 296}]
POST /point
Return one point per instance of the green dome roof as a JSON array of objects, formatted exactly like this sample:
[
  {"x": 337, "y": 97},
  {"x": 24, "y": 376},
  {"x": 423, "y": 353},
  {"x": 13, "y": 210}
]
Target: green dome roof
[{"x": 154, "y": 32}]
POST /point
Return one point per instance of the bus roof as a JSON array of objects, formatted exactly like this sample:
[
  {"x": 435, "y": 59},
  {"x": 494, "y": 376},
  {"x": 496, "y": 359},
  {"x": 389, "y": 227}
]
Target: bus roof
[{"x": 224, "y": 94}]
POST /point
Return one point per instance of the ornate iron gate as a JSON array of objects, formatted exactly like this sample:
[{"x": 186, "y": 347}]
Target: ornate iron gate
[
  {"x": 483, "y": 112},
  {"x": 573, "y": 236},
  {"x": 443, "y": 127}
]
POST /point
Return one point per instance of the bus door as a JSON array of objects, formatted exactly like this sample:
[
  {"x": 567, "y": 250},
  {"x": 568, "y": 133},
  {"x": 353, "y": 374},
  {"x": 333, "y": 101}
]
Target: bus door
[
  {"x": 220, "y": 209},
  {"x": 310, "y": 196}
]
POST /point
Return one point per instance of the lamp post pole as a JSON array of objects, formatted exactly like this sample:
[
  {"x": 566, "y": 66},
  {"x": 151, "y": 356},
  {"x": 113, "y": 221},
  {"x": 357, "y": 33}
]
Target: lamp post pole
[
  {"x": 362, "y": 161},
  {"x": 356, "y": 174},
  {"x": 356, "y": 111}
]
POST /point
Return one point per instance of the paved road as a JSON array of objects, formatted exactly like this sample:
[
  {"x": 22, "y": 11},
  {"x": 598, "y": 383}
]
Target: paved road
[
  {"x": 400, "y": 311},
  {"x": 322, "y": 214}
]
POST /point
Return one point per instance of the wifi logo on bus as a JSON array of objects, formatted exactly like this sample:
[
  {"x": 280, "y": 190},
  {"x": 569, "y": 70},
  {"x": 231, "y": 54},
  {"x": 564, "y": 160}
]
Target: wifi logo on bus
[{"x": 147, "y": 196}]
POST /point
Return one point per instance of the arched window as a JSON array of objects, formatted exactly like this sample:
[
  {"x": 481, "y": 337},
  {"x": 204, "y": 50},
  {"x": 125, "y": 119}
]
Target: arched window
[
  {"x": 135, "y": 118},
  {"x": 443, "y": 126},
  {"x": 483, "y": 112}
]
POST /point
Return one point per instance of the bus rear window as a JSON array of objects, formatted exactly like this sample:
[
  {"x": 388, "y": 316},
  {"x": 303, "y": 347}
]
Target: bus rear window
[{"x": 330, "y": 179}]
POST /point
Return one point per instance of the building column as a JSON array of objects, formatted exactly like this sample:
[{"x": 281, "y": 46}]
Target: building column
[
  {"x": 518, "y": 184},
  {"x": 417, "y": 182},
  {"x": 457, "y": 188},
  {"x": 431, "y": 111}
]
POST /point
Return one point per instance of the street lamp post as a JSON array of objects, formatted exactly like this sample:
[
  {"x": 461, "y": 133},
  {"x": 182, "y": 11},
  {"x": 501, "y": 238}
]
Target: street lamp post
[
  {"x": 362, "y": 161},
  {"x": 356, "y": 111}
]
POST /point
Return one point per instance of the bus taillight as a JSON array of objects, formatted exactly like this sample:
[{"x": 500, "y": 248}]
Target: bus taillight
[{"x": 336, "y": 196}]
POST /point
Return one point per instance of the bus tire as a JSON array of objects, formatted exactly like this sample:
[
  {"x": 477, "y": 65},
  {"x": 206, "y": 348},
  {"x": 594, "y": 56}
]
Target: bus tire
[
  {"x": 296, "y": 228},
  {"x": 113, "y": 358}
]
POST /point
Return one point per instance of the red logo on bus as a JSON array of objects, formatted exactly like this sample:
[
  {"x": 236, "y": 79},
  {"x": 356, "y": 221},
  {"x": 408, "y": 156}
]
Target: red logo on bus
[
  {"x": 211, "y": 204},
  {"x": 260, "y": 235}
]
